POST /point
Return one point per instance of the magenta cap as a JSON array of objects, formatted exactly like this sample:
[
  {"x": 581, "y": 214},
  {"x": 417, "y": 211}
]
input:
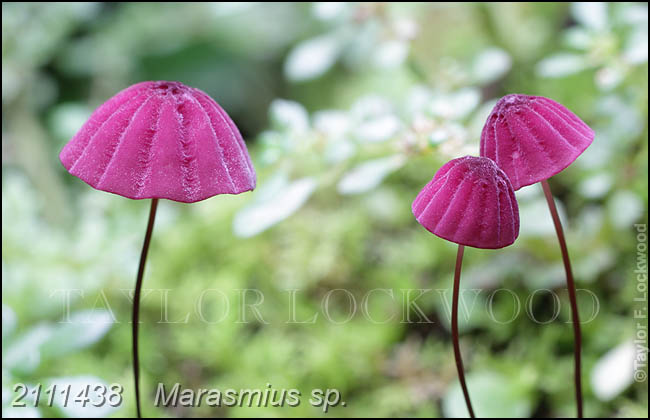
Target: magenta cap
[
  {"x": 469, "y": 201},
  {"x": 533, "y": 138},
  {"x": 161, "y": 140}
]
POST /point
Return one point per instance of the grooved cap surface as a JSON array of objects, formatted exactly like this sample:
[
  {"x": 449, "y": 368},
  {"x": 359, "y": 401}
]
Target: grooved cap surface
[
  {"x": 469, "y": 201},
  {"x": 533, "y": 138},
  {"x": 161, "y": 140}
]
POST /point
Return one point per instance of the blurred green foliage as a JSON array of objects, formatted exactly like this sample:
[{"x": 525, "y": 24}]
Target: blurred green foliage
[{"x": 348, "y": 110}]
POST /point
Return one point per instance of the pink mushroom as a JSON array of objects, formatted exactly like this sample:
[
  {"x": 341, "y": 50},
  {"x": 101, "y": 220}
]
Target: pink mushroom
[
  {"x": 159, "y": 140},
  {"x": 471, "y": 202},
  {"x": 533, "y": 138}
]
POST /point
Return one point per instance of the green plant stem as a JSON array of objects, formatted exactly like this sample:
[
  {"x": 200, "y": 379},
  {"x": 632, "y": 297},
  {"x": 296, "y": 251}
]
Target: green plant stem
[
  {"x": 577, "y": 347},
  {"x": 136, "y": 303},
  {"x": 454, "y": 329}
]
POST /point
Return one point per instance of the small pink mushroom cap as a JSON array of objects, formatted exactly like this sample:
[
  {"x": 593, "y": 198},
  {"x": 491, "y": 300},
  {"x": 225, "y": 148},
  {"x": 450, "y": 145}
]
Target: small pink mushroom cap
[
  {"x": 533, "y": 138},
  {"x": 161, "y": 140},
  {"x": 469, "y": 201}
]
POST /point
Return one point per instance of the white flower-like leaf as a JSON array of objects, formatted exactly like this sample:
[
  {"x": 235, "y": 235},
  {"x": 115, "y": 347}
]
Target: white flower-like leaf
[
  {"x": 593, "y": 15},
  {"x": 456, "y": 105},
  {"x": 378, "y": 129},
  {"x": 490, "y": 65},
  {"x": 312, "y": 58},
  {"x": 561, "y": 65},
  {"x": 289, "y": 115},
  {"x": 369, "y": 174},
  {"x": 276, "y": 200},
  {"x": 613, "y": 372}
]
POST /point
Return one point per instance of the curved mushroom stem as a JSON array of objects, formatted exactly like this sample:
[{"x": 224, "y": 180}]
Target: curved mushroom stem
[
  {"x": 454, "y": 329},
  {"x": 577, "y": 348},
  {"x": 136, "y": 303}
]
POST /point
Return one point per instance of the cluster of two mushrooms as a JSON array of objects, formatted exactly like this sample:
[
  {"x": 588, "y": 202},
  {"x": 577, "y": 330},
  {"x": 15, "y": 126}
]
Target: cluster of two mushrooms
[{"x": 470, "y": 200}]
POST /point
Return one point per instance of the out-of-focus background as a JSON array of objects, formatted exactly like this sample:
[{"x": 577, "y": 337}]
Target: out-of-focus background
[{"x": 347, "y": 110}]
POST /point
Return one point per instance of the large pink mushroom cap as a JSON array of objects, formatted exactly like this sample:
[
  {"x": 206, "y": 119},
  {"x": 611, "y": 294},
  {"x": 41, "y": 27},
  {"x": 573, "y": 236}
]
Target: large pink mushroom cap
[
  {"x": 533, "y": 138},
  {"x": 161, "y": 140},
  {"x": 469, "y": 201}
]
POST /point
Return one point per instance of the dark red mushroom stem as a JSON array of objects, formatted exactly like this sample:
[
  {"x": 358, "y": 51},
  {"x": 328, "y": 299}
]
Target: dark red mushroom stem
[
  {"x": 454, "y": 330},
  {"x": 136, "y": 303},
  {"x": 575, "y": 317}
]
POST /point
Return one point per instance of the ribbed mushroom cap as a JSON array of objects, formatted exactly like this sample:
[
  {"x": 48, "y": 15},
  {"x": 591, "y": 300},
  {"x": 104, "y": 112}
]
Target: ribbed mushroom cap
[
  {"x": 161, "y": 140},
  {"x": 533, "y": 138},
  {"x": 469, "y": 201}
]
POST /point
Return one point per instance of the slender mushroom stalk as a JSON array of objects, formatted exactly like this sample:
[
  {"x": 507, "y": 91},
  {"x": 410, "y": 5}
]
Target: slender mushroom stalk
[
  {"x": 159, "y": 140},
  {"x": 136, "y": 303},
  {"x": 575, "y": 316},
  {"x": 454, "y": 330},
  {"x": 533, "y": 138},
  {"x": 471, "y": 202}
]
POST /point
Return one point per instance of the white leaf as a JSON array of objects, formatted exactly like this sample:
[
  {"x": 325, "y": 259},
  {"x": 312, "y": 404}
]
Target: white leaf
[
  {"x": 490, "y": 65},
  {"x": 624, "y": 208},
  {"x": 84, "y": 329},
  {"x": 457, "y": 105},
  {"x": 560, "y": 65},
  {"x": 67, "y": 119},
  {"x": 590, "y": 14},
  {"x": 8, "y": 321},
  {"x": 596, "y": 186},
  {"x": 379, "y": 129},
  {"x": 493, "y": 395},
  {"x": 636, "y": 46},
  {"x": 26, "y": 412},
  {"x": 535, "y": 217},
  {"x": 445, "y": 132},
  {"x": 613, "y": 372},
  {"x": 329, "y": 10},
  {"x": 438, "y": 135},
  {"x": 607, "y": 78},
  {"x": 406, "y": 28},
  {"x": 312, "y": 58},
  {"x": 371, "y": 106},
  {"x": 369, "y": 174},
  {"x": 23, "y": 355},
  {"x": 289, "y": 115},
  {"x": 633, "y": 13},
  {"x": 391, "y": 54},
  {"x": 417, "y": 99},
  {"x": 276, "y": 202},
  {"x": 339, "y": 150},
  {"x": 226, "y": 9},
  {"x": 332, "y": 122},
  {"x": 578, "y": 38}
]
